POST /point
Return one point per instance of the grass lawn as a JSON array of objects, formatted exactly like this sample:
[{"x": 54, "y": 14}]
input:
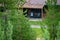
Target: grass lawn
[
  {"x": 38, "y": 31},
  {"x": 36, "y": 23}
]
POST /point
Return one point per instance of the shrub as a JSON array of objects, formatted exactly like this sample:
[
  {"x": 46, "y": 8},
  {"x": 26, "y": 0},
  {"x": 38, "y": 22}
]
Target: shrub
[{"x": 21, "y": 26}]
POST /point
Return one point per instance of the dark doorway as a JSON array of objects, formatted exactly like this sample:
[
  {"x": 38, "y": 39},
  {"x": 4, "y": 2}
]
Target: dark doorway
[{"x": 33, "y": 13}]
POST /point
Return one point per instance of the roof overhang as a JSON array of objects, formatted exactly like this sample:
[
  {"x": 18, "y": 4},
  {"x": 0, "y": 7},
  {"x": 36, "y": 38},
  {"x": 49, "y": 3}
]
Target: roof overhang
[{"x": 27, "y": 5}]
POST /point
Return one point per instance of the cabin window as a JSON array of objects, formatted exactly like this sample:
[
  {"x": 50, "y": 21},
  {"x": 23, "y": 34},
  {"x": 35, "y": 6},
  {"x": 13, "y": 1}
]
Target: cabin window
[{"x": 33, "y": 13}]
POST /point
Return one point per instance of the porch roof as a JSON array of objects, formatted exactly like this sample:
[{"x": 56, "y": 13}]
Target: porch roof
[{"x": 27, "y": 5}]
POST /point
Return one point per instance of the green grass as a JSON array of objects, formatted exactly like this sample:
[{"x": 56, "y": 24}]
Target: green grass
[
  {"x": 39, "y": 32},
  {"x": 36, "y": 23}
]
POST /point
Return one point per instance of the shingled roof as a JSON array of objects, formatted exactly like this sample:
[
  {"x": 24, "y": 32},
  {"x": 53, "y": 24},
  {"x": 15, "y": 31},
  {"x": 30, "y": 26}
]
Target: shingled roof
[
  {"x": 27, "y": 5},
  {"x": 36, "y": 3}
]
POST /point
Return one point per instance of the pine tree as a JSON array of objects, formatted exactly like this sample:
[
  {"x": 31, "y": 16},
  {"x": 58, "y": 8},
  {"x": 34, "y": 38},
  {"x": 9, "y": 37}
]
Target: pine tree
[
  {"x": 52, "y": 19},
  {"x": 6, "y": 26},
  {"x": 14, "y": 24}
]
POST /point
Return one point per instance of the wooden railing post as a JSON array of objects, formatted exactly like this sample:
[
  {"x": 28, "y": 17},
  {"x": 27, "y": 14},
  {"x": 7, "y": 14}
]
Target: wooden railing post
[{"x": 42, "y": 13}]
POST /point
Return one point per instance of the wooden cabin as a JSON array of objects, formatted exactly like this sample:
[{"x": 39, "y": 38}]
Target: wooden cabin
[{"x": 36, "y": 8}]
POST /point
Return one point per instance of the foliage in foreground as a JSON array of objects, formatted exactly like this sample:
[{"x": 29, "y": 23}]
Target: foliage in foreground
[
  {"x": 13, "y": 24},
  {"x": 52, "y": 20},
  {"x": 22, "y": 29}
]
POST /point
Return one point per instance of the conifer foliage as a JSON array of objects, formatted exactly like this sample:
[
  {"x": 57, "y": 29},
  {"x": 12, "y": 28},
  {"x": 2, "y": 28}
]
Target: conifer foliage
[
  {"x": 52, "y": 19},
  {"x": 13, "y": 24}
]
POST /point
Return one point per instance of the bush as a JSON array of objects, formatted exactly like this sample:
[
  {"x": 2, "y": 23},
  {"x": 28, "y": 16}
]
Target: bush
[
  {"x": 21, "y": 26},
  {"x": 14, "y": 24}
]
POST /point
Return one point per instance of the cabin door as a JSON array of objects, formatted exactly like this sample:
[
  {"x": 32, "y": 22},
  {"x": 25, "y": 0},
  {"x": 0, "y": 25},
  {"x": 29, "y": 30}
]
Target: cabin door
[{"x": 35, "y": 13}]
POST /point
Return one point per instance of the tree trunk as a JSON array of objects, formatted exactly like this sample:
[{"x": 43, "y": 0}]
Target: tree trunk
[{"x": 53, "y": 33}]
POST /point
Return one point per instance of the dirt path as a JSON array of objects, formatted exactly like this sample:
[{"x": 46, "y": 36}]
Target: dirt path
[
  {"x": 39, "y": 38},
  {"x": 35, "y": 19},
  {"x": 35, "y": 26}
]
